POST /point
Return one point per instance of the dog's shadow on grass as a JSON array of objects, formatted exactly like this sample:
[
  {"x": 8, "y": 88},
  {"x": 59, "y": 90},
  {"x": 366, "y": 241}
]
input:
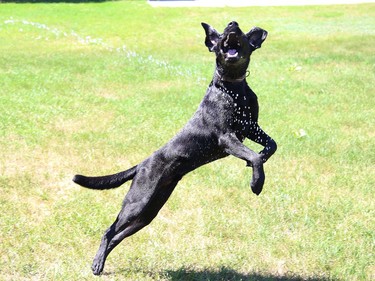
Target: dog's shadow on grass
[
  {"x": 227, "y": 274},
  {"x": 222, "y": 274}
]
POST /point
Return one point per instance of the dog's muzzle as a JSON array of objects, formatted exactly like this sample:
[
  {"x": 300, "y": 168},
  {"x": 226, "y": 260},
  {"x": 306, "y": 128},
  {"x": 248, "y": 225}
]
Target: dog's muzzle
[{"x": 231, "y": 46}]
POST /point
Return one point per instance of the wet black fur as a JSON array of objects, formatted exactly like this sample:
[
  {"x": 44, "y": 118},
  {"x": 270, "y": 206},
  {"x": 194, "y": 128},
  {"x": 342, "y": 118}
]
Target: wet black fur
[{"x": 226, "y": 116}]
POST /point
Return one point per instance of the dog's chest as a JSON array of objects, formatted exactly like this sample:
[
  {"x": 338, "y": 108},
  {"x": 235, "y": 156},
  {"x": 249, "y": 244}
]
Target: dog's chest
[{"x": 240, "y": 120}]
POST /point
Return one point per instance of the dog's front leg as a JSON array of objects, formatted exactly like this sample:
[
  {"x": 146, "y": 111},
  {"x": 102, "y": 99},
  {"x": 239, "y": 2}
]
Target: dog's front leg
[
  {"x": 231, "y": 145},
  {"x": 259, "y": 136}
]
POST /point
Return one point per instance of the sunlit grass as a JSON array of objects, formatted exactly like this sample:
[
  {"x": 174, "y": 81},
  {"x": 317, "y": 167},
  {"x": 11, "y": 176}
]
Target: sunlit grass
[{"x": 96, "y": 88}]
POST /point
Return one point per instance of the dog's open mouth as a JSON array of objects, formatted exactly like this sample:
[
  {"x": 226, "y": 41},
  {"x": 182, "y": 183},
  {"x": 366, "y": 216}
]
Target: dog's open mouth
[{"x": 231, "y": 46}]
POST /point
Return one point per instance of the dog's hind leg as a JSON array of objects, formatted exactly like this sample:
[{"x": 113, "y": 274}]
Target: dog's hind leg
[
  {"x": 110, "y": 240},
  {"x": 132, "y": 218}
]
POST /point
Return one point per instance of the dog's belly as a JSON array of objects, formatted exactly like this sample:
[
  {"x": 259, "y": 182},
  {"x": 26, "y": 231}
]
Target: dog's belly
[
  {"x": 183, "y": 154},
  {"x": 193, "y": 152}
]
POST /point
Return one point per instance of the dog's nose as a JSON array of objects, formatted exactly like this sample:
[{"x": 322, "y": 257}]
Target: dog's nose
[{"x": 232, "y": 23}]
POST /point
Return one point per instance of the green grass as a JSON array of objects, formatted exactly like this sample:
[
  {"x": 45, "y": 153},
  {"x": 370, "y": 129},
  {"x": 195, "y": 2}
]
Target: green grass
[{"x": 95, "y": 88}]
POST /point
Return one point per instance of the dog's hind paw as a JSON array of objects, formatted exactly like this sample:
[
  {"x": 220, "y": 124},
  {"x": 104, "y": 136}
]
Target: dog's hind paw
[{"x": 97, "y": 269}]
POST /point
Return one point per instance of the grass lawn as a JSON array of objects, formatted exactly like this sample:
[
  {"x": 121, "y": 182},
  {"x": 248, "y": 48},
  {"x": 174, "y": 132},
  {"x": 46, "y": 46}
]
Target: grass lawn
[{"x": 96, "y": 88}]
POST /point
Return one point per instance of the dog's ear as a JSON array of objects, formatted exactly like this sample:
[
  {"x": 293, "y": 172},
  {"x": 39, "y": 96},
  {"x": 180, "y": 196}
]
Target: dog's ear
[
  {"x": 212, "y": 37},
  {"x": 256, "y": 36}
]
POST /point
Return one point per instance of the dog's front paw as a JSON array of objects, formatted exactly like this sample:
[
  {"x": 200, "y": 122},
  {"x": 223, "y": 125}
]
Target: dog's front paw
[
  {"x": 257, "y": 185},
  {"x": 258, "y": 179}
]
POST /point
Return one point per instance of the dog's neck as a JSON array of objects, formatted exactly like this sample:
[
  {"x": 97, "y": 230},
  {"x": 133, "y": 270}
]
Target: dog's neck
[
  {"x": 228, "y": 85},
  {"x": 225, "y": 78}
]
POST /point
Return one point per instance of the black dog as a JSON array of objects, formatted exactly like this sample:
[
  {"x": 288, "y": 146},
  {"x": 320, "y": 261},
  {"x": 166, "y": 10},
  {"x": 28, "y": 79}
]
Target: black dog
[{"x": 227, "y": 115}]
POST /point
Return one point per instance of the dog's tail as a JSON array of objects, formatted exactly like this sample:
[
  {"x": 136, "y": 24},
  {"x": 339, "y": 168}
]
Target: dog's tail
[{"x": 106, "y": 182}]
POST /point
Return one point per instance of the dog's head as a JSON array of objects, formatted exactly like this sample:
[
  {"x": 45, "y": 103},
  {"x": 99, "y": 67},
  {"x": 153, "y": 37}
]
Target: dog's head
[{"x": 233, "y": 47}]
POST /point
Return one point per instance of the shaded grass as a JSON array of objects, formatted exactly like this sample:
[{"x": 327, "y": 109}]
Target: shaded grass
[{"x": 72, "y": 103}]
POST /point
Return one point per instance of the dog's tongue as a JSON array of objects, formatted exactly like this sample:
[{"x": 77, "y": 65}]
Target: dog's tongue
[{"x": 232, "y": 52}]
